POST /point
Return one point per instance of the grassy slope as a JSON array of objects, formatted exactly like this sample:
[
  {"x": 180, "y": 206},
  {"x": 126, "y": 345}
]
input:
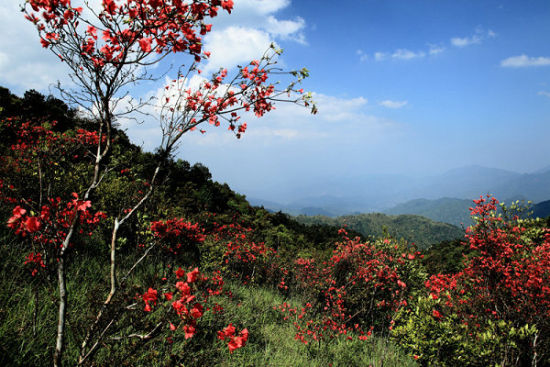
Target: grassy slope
[{"x": 271, "y": 341}]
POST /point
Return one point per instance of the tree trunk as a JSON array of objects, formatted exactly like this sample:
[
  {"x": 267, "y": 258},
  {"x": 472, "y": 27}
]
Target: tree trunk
[{"x": 59, "y": 343}]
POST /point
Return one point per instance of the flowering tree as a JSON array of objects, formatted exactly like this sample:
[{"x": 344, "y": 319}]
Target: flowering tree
[{"x": 108, "y": 47}]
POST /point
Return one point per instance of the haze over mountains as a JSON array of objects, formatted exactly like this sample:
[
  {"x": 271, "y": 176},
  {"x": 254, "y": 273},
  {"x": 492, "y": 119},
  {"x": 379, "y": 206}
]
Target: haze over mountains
[{"x": 450, "y": 193}]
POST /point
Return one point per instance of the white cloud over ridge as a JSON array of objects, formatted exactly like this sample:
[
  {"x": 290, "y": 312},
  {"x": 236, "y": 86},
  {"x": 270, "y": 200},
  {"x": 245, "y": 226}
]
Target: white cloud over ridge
[
  {"x": 522, "y": 61},
  {"x": 287, "y": 123}
]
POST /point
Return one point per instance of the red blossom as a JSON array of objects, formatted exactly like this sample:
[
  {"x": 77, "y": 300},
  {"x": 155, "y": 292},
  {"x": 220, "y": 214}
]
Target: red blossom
[
  {"x": 145, "y": 44},
  {"x": 235, "y": 341},
  {"x": 190, "y": 331},
  {"x": 192, "y": 275},
  {"x": 149, "y": 296},
  {"x": 180, "y": 273}
]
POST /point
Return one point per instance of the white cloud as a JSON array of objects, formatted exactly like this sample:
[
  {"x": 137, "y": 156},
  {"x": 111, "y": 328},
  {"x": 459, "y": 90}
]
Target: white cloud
[
  {"x": 4, "y": 59},
  {"x": 235, "y": 45},
  {"x": 289, "y": 122},
  {"x": 435, "y": 49},
  {"x": 338, "y": 109},
  {"x": 524, "y": 61},
  {"x": 249, "y": 30},
  {"x": 24, "y": 64},
  {"x": 544, "y": 93},
  {"x": 379, "y": 56},
  {"x": 286, "y": 29},
  {"x": 465, "y": 41},
  {"x": 404, "y": 54},
  {"x": 401, "y": 54},
  {"x": 393, "y": 104},
  {"x": 285, "y": 134},
  {"x": 261, "y": 6},
  {"x": 479, "y": 36},
  {"x": 362, "y": 55}
]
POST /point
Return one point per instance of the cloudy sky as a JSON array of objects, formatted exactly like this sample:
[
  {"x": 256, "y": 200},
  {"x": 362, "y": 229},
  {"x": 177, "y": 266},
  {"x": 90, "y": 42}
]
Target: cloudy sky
[{"x": 403, "y": 87}]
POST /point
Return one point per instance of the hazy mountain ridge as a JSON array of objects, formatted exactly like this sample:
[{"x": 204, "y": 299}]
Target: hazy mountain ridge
[{"x": 446, "y": 197}]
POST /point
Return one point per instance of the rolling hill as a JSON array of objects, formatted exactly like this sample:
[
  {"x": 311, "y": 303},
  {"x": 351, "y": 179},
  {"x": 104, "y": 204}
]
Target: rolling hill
[
  {"x": 422, "y": 231},
  {"x": 448, "y": 210}
]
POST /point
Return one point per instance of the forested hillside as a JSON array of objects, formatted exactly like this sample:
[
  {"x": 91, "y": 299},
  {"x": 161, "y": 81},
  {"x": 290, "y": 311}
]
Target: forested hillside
[
  {"x": 416, "y": 229},
  {"x": 447, "y": 210}
]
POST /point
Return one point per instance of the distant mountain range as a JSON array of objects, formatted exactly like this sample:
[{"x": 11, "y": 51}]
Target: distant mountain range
[{"x": 446, "y": 197}]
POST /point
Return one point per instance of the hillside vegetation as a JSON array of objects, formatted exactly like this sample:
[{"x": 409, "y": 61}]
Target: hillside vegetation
[
  {"x": 416, "y": 229},
  {"x": 446, "y": 210}
]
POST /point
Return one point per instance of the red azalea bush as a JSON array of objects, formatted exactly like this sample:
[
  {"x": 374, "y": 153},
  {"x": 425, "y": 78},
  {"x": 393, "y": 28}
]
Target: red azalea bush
[
  {"x": 179, "y": 239},
  {"x": 502, "y": 294},
  {"x": 186, "y": 301},
  {"x": 246, "y": 259},
  {"x": 40, "y": 220},
  {"x": 232, "y": 248},
  {"x": 360, "y": 289},
  {"x": 180, "y": 303}
]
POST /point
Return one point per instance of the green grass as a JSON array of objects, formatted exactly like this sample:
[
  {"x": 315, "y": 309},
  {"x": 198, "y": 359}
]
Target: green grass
[{"x": 271, "y": 341}]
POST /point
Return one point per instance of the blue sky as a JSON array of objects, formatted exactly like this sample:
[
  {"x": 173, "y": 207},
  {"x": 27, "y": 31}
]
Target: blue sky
[{"x": 403, "y": 87}]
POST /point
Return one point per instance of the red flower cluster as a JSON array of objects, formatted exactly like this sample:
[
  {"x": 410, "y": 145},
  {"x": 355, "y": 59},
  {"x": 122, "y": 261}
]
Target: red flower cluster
[
  {"x": 507, "y": 279},
  {"x": 36, "y": 262},
  {"x": 235, "y": 341},
  {"x": 54, "y": 218},
  {"x": 176, "y": 234},
  {"x": 23, "y": 224},
  {"x": 155, "y": 26},
  {"x": 150, "y": 296},
  {"x": 189, "y": 299},
  {"x": 38, "y": 143}
]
